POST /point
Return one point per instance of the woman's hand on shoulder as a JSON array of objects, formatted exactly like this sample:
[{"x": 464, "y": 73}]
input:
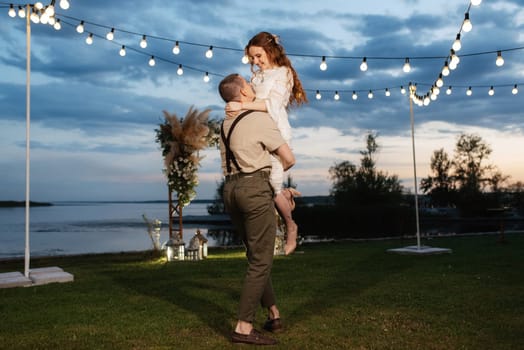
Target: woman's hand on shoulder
[{"x": 233, "y": 106}]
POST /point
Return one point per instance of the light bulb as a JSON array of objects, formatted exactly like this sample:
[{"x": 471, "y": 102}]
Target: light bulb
[
  {"x": 466, "y": 25},
  {"x": 469, "y": 92},
  {"x": 34, "y": 17},
  {"x": 245, "y": 59},
  {"x": 436, "y": 90},
  {"x": 143, "y": 42},
  {"x": 57, "y": 24},
  {"x": 64, "y": 4},
  {"x": 491, "y": 91},
  {"x": 433, "y": 97},
  {"x": 454, "y": 60},
  {"x": 475, "y": 2},
  {"x": 439, "y": 82},
  {"x": 111, "y": 35},
  {"x": 500, "y": 61},
  {"x": 176, "y": 48},
  {"x": 180, "y": 71},
  {"x": 515, "y": 90},
  {"x": 52, "y": 21},
  {"x": 206, "y": 77},
  {"x": 80, "y": 27},
  {"x": 12, "y": 12},
  {"x": 445, "y": 69},
  {"x": 89, "y": 39},
  {"x": 209, "y": 52},
  {"x": 39, "y": 5},
  {"x": 122, "y": 51},
  {"x": 50, "y": 10},
  {"x": 323, "y": 64},
  {"x": 370, "y": 94},
  {"x": 407, "y": 67},
  {"x": 44, "y": 18},
  {"x": 152, "y": 61},
  {"x": 364, "y": 65},
  {"x": 402, "y": 90},
  {"x": 448, "y": 91},
  {"x": 457, "y": 44},
  {"x": 318, "y": 95},
  {"x": 387, "y": 93},
  {"x": 427, "y": 100},
  {"x": 354, "y": 96},
  {"x": 337, "y": 96},
  {"x": 21, "y": 12}
]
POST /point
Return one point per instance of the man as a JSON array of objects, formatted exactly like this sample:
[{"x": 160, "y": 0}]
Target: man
[{"x": 247, "y": 139}]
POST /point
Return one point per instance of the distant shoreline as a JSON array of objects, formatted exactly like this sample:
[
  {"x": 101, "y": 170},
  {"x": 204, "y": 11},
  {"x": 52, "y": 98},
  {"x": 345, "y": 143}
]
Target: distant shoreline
[{"x": 16, "y": 204}]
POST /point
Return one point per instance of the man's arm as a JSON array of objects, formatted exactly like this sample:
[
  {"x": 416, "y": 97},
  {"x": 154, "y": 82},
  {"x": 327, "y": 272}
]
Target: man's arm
[{"x": 287, "y": 158}]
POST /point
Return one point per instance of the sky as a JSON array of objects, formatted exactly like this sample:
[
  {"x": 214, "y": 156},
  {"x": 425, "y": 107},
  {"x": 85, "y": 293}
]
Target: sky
[{"x": 94, "y": 113}]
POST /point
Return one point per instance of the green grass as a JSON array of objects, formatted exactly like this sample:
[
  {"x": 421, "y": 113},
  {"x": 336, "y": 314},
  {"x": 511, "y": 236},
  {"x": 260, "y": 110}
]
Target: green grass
[{"x": 331, "y": 296}]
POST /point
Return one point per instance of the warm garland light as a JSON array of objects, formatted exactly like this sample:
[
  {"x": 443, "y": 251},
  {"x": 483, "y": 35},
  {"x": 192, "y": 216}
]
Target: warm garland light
[
  {"x": 457, "y": 44},
  {"x": 209, "y": 52},
  {"x": 89, "y": 39},
  {"x": 318, "y": 95},
  {"x": 152, "y": 61},
  {"x": 323, "y": 64},
  {"x": 143, "y": 42},
  {"x": 80, "y": 27},
  {"x": 370, "y": 94},
  {"x": 515, "y": 90},
  {"x": 387, "y": 92},
  {"x": 499, "y": 61},
  {"x": 491, "y": 91},
  {"x": 12, "y": 12},
  {"x": 364, "y": 65},
  {"x": 176, "y": 48},
  {"x": 448, "y": 91},
  {"x": 354, "y": 96},
  {"x": 111, "y": 35},
  {"x": 122, "y": 51},
  {"x": 245, "y": 59},
  {"x": 475, "y": 2},
  {"x": 206, "y": 77},
  {"x": 337, "y": 96},
  {"x": 407, "y": 66},
  {"x": 180, "y": 70},
  {"x": 469, "y": 92},
  {"x": 466, "y": 25}
]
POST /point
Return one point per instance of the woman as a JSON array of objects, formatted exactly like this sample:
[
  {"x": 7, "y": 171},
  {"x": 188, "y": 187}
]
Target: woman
[{"x": 277, "y": 87}]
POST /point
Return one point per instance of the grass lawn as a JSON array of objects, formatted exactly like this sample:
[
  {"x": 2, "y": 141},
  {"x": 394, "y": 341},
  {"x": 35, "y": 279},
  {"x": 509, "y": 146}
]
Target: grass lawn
[{"x": 331, "y": 295}]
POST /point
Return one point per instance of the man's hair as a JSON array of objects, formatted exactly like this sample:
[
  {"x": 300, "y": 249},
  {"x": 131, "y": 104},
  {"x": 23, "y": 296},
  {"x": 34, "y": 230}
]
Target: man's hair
[{"x": 229, "y": 87}]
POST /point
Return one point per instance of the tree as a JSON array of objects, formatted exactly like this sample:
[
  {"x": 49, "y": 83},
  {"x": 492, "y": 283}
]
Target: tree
[
  {"x": 364, "y": 185},
  {"x": 441, "y": 186},
  {"x": 217, "y": 207}
]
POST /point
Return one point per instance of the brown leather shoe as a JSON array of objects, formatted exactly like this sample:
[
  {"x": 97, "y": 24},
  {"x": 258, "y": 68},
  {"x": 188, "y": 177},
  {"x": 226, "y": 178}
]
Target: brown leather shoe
[
  {"x": 253, "y": 338},
  {"x": 273, "y": 325}
]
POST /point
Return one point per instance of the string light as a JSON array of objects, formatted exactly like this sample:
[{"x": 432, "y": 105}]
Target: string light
[
  {"x": 466, "y": 25},
  {"x": 245, "y": 59},
  {"x": 206, "y": 77},
  {"x": 152, "y": 61},
  {"x": 439, "y": 82},
  {"x": 111, "y": 35},
  {"x": 337, "y": 96},
  {"x": 122, "y": 51},
  {"x": 12, "y": 12},
  {"x": 89, "y": 39},
  {"x": 21, "y": 12},
  {"x": 387, "y": 92},
  {"x": 445, "y": 69},
  {"x": 143, "y": 42},
  {"x": 402, "y": 90},
  {"x": 354, "y": 96},
  {"x": 323, "y": 64},
  {"x": 80, "y": 27},
  {"x": 457, "y": 45},
  {"x": 370, "y": 94},
  {"x": 39, "y": 5},
  {"x": 515, "y": 90},
  {"x": 176, "y": 48},
  {"x": 64, "y": 4},
  {"x": 50, "y": 10},
  {"x": 499, "y": 61},
  {"x": 491, "y": 91},
  {"x": 469, "y": 92},
  {"x": 209, "y": 52},
  {"x": 57, "y": 24},
  {"x": 364, "y": 65},
  {"x": 318, "y": 96},
  {"x": 407, "y": 67},
  {"x": 34, "y": 16},
  {"x": 475, "y": 2},
  {"x": 448, "y": 91},
  {"x": 180, "y": 70}
]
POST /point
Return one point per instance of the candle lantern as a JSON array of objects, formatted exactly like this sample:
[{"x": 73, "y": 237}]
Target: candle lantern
[
  {"x": 175, "y": 249},
  {"x": 202, "y": 244}
]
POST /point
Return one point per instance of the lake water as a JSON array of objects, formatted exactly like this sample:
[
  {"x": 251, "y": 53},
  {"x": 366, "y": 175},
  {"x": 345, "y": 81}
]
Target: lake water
[{"x": 70, "y": 228}]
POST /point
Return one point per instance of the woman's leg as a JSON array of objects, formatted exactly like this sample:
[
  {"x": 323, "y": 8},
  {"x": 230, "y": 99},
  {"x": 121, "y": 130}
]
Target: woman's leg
[{"x": 284, "y": 209}]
